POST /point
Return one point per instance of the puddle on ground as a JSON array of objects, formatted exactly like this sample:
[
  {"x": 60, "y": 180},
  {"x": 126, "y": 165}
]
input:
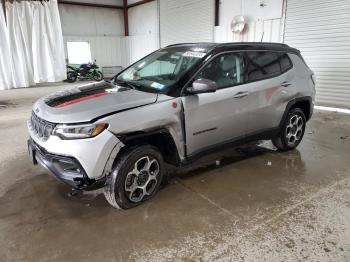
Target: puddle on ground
[{"x": 6, "y": 103}]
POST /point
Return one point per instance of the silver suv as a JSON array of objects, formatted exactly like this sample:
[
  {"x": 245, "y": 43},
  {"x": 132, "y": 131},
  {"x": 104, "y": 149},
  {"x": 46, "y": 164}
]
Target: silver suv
[{"x": 172, "y": 106}]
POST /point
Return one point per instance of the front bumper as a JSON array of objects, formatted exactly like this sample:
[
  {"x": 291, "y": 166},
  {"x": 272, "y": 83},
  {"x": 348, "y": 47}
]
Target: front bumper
[
  {"x": 92, "y": 156},
  {"x": 66, "y": 169}
]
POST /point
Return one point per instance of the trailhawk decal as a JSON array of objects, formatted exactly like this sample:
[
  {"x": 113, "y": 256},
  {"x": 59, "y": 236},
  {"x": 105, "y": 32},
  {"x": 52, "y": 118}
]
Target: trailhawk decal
[
  {"x": 78, "y": 94},
  {"x": 81, "y": 99}
]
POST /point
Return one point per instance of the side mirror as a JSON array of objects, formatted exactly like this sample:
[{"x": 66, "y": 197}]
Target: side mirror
[{"x": 202, "y": 86}]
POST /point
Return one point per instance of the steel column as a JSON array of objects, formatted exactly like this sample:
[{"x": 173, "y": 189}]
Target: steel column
[{"x": 4, "y": 8}]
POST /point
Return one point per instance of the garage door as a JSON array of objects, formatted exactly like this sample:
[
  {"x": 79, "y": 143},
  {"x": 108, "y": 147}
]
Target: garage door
[
  {"x": 320, "y": 29},
  {"x": 184, "y": 21}
]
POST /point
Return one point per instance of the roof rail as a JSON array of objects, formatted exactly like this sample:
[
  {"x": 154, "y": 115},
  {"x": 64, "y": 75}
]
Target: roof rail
[{"x": 199, "y": 43}]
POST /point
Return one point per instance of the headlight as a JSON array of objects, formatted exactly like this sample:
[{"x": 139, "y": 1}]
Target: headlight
[{"x": 79, "y": 131}]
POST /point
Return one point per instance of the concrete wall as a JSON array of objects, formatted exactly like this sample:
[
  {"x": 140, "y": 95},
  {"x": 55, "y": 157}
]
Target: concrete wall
[{"x": 264, "y": 23}]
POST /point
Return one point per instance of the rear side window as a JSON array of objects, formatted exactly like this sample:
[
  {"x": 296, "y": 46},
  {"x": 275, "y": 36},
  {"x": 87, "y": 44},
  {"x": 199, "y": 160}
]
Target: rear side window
[
  {"x": 286, "y": 64},
  {"x": 236, "y": 68},
  {"x": 262, "y": 65}
]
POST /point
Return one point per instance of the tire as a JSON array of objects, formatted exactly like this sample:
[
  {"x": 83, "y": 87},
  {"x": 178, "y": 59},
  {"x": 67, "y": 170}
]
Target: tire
[
  {"x": 292, "y": 131},
  {"x": 98, "y": 76},
  {"x": 71, "y": 77},
  {"x": 131, "y": 178}
]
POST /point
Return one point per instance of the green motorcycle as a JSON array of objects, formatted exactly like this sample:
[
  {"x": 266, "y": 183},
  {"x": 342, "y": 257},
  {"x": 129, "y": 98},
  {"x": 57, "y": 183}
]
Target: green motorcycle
[{"x": 85, "y": 71}]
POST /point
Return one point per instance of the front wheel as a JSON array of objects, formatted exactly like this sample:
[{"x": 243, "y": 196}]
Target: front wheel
[
  {"x": 292, "y": 131},
  {"x": 98, "y": 76},
  {"x": 135, "y": 178}
]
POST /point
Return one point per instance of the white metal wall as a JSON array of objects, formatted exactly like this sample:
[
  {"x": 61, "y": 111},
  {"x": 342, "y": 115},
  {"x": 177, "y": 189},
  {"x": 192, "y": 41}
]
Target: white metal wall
[
  {"x": 143, "y": 30},
  {"x": 107, "y": 50},
  {"x": 261, "y": 25},
  {"x": 103, "y": 28},
  {"x": 91, "y": 21},
  {"x": 139, "y": 46},
  {"x": 186, "y": 21},
  {"x": 256, "y": 31},
  {"x": 143, "y": 19},
  {"x": 320, "y": 29}
]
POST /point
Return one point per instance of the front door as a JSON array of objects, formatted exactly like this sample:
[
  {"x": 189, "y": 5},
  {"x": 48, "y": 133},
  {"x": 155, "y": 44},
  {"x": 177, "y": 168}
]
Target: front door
[{"x": 212, "y": 119}]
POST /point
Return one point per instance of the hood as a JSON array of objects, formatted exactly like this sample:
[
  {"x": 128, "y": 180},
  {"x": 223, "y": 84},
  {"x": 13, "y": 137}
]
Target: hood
[{"x": 85, "y": 103}]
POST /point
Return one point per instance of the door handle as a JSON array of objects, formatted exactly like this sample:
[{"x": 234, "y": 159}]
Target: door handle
[
  {"x": 285, "y": 84},
  {"x": 240, "y": 94}
]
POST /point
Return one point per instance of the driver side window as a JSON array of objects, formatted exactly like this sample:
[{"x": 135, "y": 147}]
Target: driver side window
[{"x": 226, "y": 70}]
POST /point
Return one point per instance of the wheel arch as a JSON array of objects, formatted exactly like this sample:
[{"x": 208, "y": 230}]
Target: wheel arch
[
  {"x": 304, "y": 103},
  {"x": 160, "y": 138}
]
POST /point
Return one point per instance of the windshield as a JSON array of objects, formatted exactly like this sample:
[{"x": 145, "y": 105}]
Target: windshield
[{"x": 161, "y": 69}]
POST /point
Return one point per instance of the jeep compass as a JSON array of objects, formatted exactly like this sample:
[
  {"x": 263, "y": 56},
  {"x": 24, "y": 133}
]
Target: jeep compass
[{"x": 170, "y": 107}]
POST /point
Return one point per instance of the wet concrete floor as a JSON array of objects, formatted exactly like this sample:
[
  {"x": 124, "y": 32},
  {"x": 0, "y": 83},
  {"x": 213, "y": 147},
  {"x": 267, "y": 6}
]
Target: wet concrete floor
[{"x": 257, "y": 205}]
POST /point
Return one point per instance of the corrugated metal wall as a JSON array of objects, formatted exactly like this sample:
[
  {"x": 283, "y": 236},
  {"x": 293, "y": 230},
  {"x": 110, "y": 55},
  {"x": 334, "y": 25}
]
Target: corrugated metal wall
[
  {"x": 186, "y": 21},
  {"x": 321, "y": 30}
]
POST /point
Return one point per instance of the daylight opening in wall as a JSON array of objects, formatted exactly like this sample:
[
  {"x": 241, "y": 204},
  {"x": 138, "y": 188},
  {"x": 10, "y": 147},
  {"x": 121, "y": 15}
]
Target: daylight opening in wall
[{"x": 78, "y": 52}]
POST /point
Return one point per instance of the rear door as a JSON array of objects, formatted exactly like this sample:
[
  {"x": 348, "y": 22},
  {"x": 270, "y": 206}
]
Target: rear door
[
  {"x": 268, "y": 85},
  {"x": 215, "y": 118}
]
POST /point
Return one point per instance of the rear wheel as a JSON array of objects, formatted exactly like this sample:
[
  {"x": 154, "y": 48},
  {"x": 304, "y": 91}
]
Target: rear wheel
[
  {"x": 136, "y": 177},
  {"x": 98, "y": 76},
  {"x": 71, "y": 77},
  {"x": 292, "y": 131}
]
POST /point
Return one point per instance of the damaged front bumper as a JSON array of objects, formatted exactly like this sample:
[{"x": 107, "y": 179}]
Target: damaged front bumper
[
  {"x": 80, "y": 163},
  {"x": 66, "y": 169}
]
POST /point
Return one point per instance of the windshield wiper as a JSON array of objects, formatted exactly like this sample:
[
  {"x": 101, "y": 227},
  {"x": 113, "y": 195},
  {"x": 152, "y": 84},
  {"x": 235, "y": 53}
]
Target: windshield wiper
[{"x": 130, "y": 85}]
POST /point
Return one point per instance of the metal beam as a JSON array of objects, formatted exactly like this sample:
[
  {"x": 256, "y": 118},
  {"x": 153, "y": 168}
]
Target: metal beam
[
  {"x": 4, "y": 8},
  {"x": 217, "y": 12},
  {"x": 103, "y": 5},
  {"x": 126, "y": 18},
  {"x": 140, "y": 3},
  {"x": 90, "y": 4}
]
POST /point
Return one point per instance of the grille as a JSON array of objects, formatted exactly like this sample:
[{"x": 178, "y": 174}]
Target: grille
[{"x": 42, "y": 128}]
